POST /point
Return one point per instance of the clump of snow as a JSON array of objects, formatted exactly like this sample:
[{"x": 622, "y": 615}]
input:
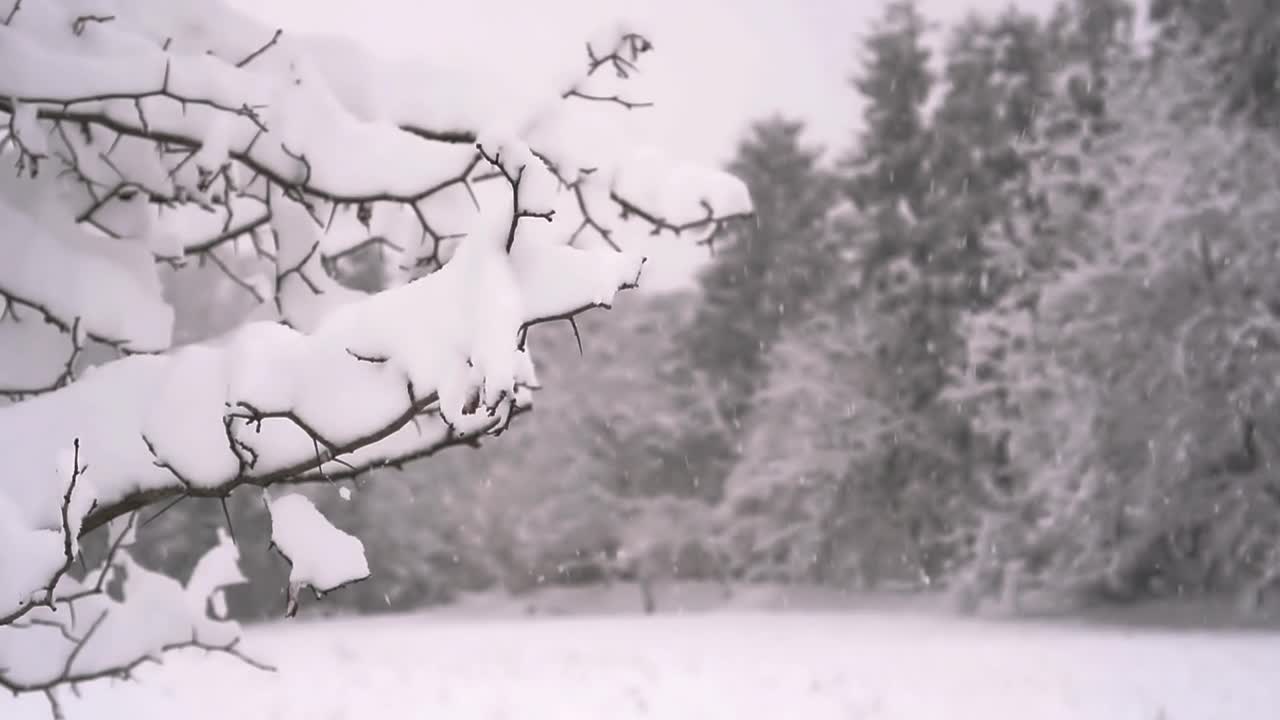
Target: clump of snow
[
  {"x": 33, "y": 354},
  {"x": 320, "y": 555},
  {"x": 52, "y": 263},
  {"x": 217, "y": 569},
  {"x": 94, "y": 634},
  {"x": 31, "y": 558},
  {"x": 215, "y": 145},
  {"x": 513, "y": 157},
  {"x": 681, "y": 192},
  {"x": 597, "y": 275}
]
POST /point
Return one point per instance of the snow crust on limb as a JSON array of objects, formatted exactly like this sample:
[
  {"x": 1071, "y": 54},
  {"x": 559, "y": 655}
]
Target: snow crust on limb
[
  {"x": 54, "y": 266},
  {"x": 88, "y": 635},
  {"x": 320, "y": 555},
  {"x": 142, "y": 132}
]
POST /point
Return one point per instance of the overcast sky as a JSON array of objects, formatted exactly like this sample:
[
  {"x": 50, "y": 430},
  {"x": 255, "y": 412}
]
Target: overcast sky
[{"x": 718, "y": 63}]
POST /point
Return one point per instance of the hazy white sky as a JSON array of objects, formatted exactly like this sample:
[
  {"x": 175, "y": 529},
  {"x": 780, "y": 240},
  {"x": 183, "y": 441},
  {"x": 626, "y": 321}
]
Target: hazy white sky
[{"x": 718, "y": 63}]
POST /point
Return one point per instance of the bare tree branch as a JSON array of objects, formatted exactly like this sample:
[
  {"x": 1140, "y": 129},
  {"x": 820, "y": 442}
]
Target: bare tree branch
[
  {"x": 17, "y": 4},
  {"x": 64, "y": 377},
  {"x": 265, "y": 47},
  {"x": 78, "y": 25},
  {"x": 68, "y": 542}
]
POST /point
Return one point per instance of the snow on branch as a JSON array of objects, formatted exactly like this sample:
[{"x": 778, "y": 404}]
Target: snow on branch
[
  {"x": 140, "y": 133},
  {"x": 320, "y": 556},
  {"x": 83, "y": 634}
]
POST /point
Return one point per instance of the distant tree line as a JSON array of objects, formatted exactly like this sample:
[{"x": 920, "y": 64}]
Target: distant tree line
[{"x": 1046, "y": 369}]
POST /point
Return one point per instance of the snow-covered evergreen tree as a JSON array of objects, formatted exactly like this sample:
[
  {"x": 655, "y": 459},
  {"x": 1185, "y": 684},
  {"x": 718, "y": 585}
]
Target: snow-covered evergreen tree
[
  {"x": 1125, "y": 372},
  {"x": 760, "y": 278}
]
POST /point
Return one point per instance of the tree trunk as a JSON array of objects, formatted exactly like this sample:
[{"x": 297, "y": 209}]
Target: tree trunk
[{"x": 646, "y": 592}]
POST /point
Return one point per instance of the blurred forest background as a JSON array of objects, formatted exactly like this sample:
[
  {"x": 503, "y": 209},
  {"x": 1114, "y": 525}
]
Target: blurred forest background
[{"x": 1018, "y": 342}]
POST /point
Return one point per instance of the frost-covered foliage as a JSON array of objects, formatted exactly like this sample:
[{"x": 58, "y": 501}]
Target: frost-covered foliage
[
  {"x": 763, "y": 278},
  {"x": 1128, "y": 375},
  {"x": 1238, "y": 40},
  {"x": 563, "y": 493},
  {"x": 667, "y": 537},
  {"x": 825, "y": 491},
  {"x": 805, "y": 506},
  {"x": 145, "y": 132},
  {"x": 1059, "y": 346}
]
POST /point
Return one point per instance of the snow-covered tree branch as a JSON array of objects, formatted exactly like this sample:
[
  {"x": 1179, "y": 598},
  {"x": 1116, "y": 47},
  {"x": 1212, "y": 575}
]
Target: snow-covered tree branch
[{"x": 146, "y": 132}]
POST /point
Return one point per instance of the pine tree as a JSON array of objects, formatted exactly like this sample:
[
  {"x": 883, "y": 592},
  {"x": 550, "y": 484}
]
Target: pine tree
[
  {"x": 997, "y": 74},
  {"x": 770, "y": 273},
  {"x": 889, "y": 172},
  {"x": 1126, "y": 418},
  {"x": 817, "y": 416},
  {"x": 764, "y": 278},
  {"x": 899, "y": 306}
]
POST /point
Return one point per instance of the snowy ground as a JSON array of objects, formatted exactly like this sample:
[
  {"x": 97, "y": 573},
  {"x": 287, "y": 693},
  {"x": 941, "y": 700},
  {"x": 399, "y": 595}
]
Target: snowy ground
[{"x": 876, "y": 662}]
